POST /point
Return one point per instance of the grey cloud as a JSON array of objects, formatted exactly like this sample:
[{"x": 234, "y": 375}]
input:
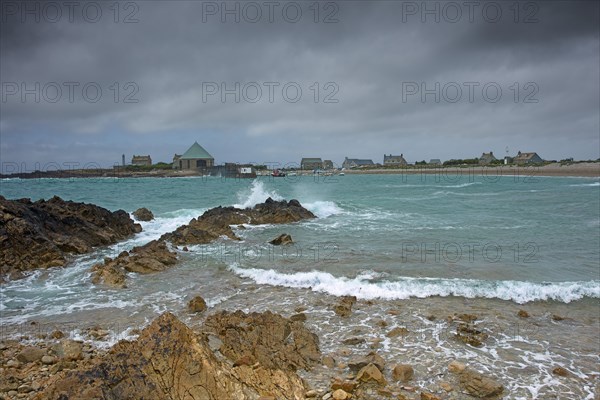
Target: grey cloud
[{"x": 368, "y": 54}]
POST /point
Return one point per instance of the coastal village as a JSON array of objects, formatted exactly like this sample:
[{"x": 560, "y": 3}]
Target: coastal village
[{"x": 197, "y": 159}]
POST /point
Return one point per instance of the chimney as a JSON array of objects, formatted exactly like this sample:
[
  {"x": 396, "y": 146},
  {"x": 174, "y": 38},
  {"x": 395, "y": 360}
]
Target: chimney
[
  {"x": 123, "y": 159},
  {"x": 491, "y": 153}
]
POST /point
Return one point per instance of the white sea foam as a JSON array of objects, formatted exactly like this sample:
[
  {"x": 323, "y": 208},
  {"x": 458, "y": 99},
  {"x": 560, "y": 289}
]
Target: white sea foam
[
  {"x": 404, "y": 288},
  {"x": 160, "y": 225},
  {"x": 323, "y": 209},
  {"x": 594, "y": 184},
  {"x": 257, "y": 194}
]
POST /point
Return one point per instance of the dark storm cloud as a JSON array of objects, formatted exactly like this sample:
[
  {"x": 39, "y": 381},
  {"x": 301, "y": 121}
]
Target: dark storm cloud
[{"x": 170, "y": 58}]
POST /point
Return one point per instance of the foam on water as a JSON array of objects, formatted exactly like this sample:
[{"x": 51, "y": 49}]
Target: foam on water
[
  {"x": 594, "y": 184},
  {"x": 404, "y": 288},
  {"x": 257, "y": 194},
  {"x": 323, "y": 209},
  {"x": 168, "y": 222}
]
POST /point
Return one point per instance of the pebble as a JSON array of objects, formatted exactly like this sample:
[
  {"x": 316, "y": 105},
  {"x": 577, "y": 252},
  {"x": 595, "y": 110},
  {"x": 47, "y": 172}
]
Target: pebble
[
  {"x": 48, "y": 360},
  {"x": 13, "y": 364}
]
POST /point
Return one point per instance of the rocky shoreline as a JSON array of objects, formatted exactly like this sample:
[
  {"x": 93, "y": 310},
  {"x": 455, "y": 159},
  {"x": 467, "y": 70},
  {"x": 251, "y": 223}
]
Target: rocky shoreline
[
  {"x": 233, "y": 355},
  {"x": 45, "y": 234},
  {"x": 240, "y": 354}
]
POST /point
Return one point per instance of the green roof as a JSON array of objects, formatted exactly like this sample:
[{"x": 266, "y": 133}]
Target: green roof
[{"x": 196, "y": 152}]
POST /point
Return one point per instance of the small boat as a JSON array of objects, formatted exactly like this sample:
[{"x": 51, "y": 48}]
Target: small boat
[
  {"x": 277, "y": 173},
  {"x": 341, "y": 174}
]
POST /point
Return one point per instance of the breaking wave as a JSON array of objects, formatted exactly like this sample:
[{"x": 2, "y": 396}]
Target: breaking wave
[{"x": 363, "y": 286}]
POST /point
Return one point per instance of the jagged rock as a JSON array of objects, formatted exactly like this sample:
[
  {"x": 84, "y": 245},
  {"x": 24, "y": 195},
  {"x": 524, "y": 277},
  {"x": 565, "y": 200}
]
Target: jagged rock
[
  {"x": 216, "y": 222},
  {"x": 282, "y": 239},
  {"x": 478, "y": 385},
  {"x": 344, "y": 384},
  {"x": 371, "y": 358},
  {"x": 68, "y": 350},
  {"x": 370, "y": 374},
  {"x": 274, "y": 341},
  {"x": 152, "y": 257},
  {"x": 469, "y": 334},
  {"x": 403, "y": 372},
  {"x": 143, "y": 214},
  {"x": 523, "y": 314},
  {"x": 30, "y": 354},
  {"x": 44, "y": 234},
  {"x": 344, "y": 306},
  {"x": 169, "y": 360},
  {"x": 197, "y": 304}
]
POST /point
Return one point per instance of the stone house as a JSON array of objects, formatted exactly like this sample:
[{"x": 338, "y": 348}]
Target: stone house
[
  {"x": 311, "y": 163},
  {"x": 141, "y": 160},
  {"x": 394, "y": 160}
]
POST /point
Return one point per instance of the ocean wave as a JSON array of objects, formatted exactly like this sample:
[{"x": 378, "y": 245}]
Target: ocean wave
[
  {"x": 362, "y": 286},
  {"x": 168, "y": 222},
  {"x": 594, "y": 184},
  {"x": 323, "y": 209},
  {"x": 257, "y": 194}
]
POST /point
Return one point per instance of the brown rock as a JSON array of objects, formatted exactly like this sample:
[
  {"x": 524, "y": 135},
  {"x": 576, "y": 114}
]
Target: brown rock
[
  {"x": 216, "y": 222},
  {"x": 429, "y": 396},
  {"x": 344, "y": 384},
  {"x": 446, "y": 386},
  {"x": 152, "y": 257},
  {"x": 57, "y": 335},
  {"x": 48, "y": 360},
  {"x": 68, "y": 350},
  {"x": 372, "y": 358},
  {"x": 282, "y": 239},
  {"x": 275, "y": 342},
  {"x": 353, "y": 341},
  {"x": 469, "y": 334},
  {"x": 403, "y": 372},
  {"x": 344, "y": 306},
  {"x": 30, "y": 354},
  {"x": 143, "y": 214},
  {"x": 560, "y": 371},
  {"x": 456, "y": 367},
  {"x": 371, "y": 374},
  {"x": 340, "y": 394},
  {"x": 523, "y": 314},
  {"x": 328, "y": 361},
  {"x": 197, "y": 304},
  {"x": 169, "y": 360},
  {"x": 397, "y": 331},
  {"x": 298, "y": 317},
  {"x": 45, "y": 233},
  {"x": 478, "y": 385},
  {"x": 556, "y": 317}
]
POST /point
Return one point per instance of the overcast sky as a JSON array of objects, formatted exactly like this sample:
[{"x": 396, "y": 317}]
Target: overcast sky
[{"x": 375, "y": 77}]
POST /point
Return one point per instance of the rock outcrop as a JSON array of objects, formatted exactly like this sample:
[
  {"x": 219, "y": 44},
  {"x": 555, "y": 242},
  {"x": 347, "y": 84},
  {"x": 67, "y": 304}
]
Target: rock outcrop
[
  {"x": 216, "y": 222},
  {"x": 282, "y": 239},
  {"x": 143, "y": 214},
  {"x": 344, "y": 307},
  {"x": 170, "y": 361},
  {"x": 45, "y": 233},
  {"x": 269, "y": 339},
  {"x": 152, "y": 257}
]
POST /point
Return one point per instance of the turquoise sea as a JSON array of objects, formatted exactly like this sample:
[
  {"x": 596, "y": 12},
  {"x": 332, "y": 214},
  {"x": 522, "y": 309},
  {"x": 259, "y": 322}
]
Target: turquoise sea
[{"x": 424, "y": 244}]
